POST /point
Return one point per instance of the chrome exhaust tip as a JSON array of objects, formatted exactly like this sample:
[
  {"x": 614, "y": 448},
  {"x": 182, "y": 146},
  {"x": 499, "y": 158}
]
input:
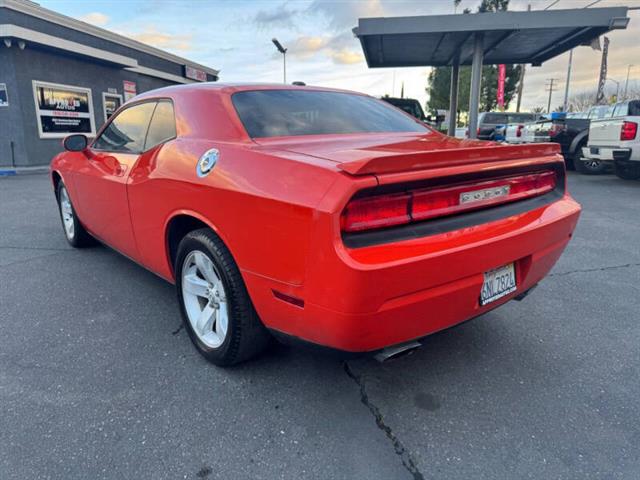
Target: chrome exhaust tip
[{"x": 396, "y": 351}]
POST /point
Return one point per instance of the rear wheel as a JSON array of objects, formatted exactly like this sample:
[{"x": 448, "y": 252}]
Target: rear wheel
[
  {"x": 216, "y": 309},
  {"x": 74, "y": 232},
  {"x": 627, "y": 171}
]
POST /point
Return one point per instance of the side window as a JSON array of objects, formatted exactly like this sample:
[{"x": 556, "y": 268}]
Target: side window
[
  {"x": 621, "y": 109},
  {"x": 163, "y": 125},
  {"x": 127, "y": 131}
]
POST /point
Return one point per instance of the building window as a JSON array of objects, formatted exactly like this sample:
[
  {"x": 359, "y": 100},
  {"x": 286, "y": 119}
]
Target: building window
[
  {"x": 63, "y": 109},
  {"x": 110, "y": 103}
]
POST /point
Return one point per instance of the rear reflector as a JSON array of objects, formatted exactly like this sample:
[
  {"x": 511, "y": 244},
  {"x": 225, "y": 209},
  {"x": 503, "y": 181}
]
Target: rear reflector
[
  {"x": 628, "y": 131},
  {"x": 397, "y": 209}
]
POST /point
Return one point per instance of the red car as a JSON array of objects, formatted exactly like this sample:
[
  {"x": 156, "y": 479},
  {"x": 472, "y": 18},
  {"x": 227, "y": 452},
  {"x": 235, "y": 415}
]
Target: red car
[{"x": 314, "y": 214}]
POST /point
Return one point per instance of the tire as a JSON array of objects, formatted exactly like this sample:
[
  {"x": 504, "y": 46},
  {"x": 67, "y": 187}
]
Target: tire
[
  {"x": 627, "y": 171},
  {"x": 211, "y": 292},
  {"x": 74, "y": 232},
  {"x": 589, "y": 167}
]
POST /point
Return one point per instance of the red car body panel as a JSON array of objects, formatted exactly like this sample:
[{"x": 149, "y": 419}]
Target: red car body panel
[{"x": 276, "y": 204}]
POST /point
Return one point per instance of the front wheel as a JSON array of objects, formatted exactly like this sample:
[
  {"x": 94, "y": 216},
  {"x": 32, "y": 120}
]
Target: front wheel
[
  {"x": 74, "y": 232},
  {"x": 215, "y": 305}
]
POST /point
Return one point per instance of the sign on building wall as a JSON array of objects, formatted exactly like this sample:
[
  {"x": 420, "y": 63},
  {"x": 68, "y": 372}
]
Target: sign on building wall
[
  {"x": 130, "y": 90},
  {"x": 4, "y": 99},
  {"x": 63, "y": 109},
  {"x": 195, "y": 74}
]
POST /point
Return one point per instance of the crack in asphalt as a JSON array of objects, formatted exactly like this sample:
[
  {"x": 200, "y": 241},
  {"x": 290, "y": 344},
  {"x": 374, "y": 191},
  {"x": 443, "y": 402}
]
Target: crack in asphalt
[
  {"x": 399, "y": 448},
  {"x": 598, "y": 269},
  {"x": 177, "y": 330}
]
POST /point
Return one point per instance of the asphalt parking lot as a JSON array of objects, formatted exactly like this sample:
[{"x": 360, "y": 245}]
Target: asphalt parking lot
[{"x": 97, "y": 379}]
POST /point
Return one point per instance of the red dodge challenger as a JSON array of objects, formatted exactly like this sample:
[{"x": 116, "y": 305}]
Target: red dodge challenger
[{"x": 313, "y": 214}]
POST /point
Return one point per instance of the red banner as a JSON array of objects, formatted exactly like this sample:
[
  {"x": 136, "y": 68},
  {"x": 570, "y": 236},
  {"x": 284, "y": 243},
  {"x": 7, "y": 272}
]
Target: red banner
[{"x": 502, "y": 75}]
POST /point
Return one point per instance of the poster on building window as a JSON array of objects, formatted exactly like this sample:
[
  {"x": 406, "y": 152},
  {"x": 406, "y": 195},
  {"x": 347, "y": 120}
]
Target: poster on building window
[
  {"x": 63, "y": 109},
  {"x": 4, "y": 99},
  {"x": 111, "y": 103}
]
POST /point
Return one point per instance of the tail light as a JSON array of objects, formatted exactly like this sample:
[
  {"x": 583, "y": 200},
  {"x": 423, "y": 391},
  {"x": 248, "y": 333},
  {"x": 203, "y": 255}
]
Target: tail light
[
  {"x": 555, "y": 129},
  {"x": 519, "y": 130},
  {"x": 628, "y": 131},
  {"x": 389, "y": 210},
  {"x": 478, "y": 132}
]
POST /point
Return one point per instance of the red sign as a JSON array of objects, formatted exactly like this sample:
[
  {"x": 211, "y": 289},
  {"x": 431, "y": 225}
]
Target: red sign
[
  {"x": 195, "y": 74},
  {"x": 130, "y": 90},
  {"x": 502, "y": 75}
]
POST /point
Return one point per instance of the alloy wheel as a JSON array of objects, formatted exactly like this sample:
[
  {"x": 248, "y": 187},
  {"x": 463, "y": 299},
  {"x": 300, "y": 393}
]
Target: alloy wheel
[{"x": 205, "y": 299}]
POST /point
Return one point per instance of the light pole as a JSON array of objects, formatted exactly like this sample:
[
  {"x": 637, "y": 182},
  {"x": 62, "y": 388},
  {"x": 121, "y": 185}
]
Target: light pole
[
  {"x": 626, "y": 84},
  {"x": 283, "y": 51},
  {"x": 617, "y": 88}
]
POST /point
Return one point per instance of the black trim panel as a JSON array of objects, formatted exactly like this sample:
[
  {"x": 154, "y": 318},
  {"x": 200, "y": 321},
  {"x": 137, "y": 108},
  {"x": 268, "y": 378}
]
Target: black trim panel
[{"x": 448, "y": 224}]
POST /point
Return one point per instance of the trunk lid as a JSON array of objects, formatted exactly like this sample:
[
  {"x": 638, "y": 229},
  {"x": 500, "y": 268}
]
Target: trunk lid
[{"x": 382, "y": 153}]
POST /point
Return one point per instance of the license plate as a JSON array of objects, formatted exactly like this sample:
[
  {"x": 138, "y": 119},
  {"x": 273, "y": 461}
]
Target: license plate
[
  {"x": 594, "y": 150},
  {"x": 498, "y": 283}
]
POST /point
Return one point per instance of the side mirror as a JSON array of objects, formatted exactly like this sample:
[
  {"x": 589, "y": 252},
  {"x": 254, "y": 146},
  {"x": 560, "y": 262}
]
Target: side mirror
[{"x": 75, "y": 143}]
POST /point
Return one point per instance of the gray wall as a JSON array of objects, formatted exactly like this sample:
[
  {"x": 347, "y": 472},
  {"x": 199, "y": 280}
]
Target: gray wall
[
  {"x": 35, "y": 63},
  {"x": 11, "y": 116}
]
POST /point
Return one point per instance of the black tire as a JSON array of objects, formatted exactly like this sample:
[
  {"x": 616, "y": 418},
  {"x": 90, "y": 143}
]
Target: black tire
[
  {"x": 589, "y": 167},
  {"x": 246, "y": 336},
  {"x": 79, "y": 238},
  {"x": 627, "y": 171}
]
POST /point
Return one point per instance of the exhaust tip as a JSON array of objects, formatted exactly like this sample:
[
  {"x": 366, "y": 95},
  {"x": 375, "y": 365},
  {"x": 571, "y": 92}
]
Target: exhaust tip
[{"x": 396, "y": 351}]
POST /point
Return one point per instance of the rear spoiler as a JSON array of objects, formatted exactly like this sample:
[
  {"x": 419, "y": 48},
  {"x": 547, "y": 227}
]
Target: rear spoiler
[{"x": 381, "y": 162}]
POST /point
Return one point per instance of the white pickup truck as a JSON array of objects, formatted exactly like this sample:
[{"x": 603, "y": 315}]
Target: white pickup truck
[{"x": 615, "y": 140}]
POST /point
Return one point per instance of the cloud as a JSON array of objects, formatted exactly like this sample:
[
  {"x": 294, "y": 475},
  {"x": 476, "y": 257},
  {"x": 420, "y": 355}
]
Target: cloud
[
  {"x": 335, "y": 48},
  {"x": 345, "y": 13},
  {"x": 281, "y": 16},
  {"x": 347, "y": 57},
  {"x": 151, "y": 36},
  {"x": 95, "y": 18}
]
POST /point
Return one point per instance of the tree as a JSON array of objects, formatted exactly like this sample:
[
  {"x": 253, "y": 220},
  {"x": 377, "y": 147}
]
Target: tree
[{"x": 439, "y": 81}]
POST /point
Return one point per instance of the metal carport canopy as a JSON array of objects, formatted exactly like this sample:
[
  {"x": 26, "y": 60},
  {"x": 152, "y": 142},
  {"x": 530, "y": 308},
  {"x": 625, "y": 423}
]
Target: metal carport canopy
[{"x": 489, "y": 38}]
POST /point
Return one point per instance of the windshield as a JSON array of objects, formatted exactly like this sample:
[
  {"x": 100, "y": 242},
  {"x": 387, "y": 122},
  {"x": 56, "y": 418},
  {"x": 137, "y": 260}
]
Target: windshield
[{"x": 275, "y": 113}]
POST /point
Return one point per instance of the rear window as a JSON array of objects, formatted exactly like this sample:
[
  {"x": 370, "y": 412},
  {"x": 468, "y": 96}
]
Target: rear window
[
  {"x": 494, "y": 118},
  {"x": 276, "y": 113},
  {"x": 522, "y": 117}
]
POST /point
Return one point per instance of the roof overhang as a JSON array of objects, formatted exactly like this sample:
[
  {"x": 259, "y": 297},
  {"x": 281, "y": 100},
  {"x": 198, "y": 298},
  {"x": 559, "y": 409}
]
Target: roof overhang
[{"x": 509, "y": 37}]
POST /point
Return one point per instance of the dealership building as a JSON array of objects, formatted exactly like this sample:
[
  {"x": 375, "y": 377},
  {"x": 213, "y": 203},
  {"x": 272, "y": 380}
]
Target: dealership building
[{"x": 59, "y": 75}]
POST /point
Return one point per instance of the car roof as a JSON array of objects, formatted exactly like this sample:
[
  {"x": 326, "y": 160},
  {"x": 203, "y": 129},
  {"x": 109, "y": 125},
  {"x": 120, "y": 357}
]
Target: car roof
[{"x": 230, "y": 88}]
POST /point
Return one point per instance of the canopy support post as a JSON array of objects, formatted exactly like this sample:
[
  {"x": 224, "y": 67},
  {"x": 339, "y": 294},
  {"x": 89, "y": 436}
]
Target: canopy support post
[
  {"x": 453, "y": 95},
  {"x": 476, "y": 79}
]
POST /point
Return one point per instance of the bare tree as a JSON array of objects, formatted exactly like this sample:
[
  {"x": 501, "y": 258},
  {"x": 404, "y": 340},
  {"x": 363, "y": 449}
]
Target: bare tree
[{"x": 581, "y": 101}]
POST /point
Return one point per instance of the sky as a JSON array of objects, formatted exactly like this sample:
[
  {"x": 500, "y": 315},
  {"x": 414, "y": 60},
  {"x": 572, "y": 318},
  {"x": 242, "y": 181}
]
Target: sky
[{"x": 234, "y": 36}]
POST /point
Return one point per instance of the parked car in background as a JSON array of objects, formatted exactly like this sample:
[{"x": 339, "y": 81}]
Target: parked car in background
[
  {"x": 515, "y": 132},
  {"x": 614, "y": 140},
  {"x": 312, "y": 214},
  {"x": 409, "y": 105},
  {"x": 491, "y": 124},
  {"x": 571, "y": 131}
]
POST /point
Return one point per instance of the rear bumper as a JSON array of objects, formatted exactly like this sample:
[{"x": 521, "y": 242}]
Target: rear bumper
[
  {"x": 609, "y": 154},
  {"x": 364, "y": 299}
]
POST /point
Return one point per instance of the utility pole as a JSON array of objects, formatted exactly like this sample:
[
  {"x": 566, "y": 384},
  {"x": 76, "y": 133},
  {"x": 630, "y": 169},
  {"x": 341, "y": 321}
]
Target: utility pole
[
  {"x": 626, "y": 84},
  {"x": 565, "y": 104},
  {"x": 551, "y": 86}
]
